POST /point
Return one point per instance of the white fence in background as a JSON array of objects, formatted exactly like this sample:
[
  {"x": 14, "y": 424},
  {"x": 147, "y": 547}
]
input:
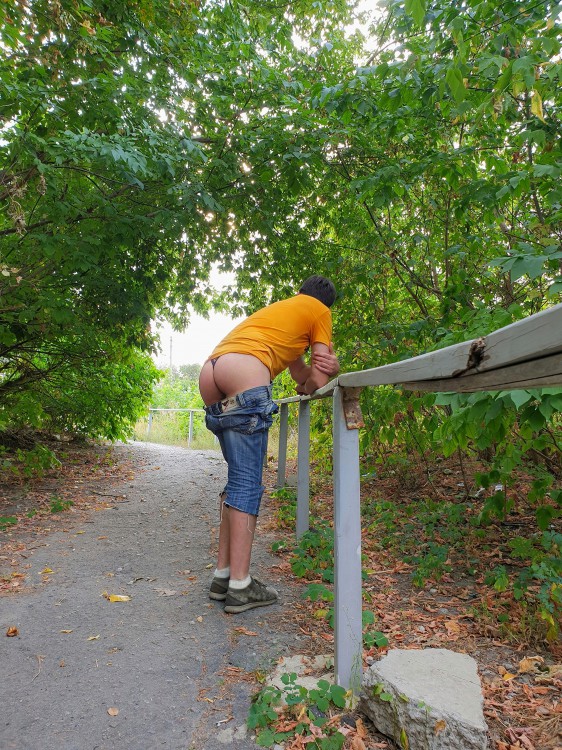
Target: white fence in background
[
  {"x": 190, "y": 432},
  {"x": 526, "y": 354}
]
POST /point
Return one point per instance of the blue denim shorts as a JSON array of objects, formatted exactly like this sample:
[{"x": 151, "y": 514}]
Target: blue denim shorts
[{"x": 241, "y": 424}]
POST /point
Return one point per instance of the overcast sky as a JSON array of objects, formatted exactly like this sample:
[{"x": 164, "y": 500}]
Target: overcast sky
[
  {"x": 194, "y": 345},
  {"x": 198, "y": 341}
]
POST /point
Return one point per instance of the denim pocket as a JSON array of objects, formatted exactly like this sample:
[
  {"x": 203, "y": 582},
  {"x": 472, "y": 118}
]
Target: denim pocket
[{"x": 246, "y": 424}]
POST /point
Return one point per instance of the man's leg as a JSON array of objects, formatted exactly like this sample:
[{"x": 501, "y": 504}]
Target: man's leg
[
  {"x": 242, "y": 527},
  {"x": 236, "y": 536},
  {"x": 243, "y": 442},
  {"x": 244, "y": 591},
  {"x": 223, "y": 559}
]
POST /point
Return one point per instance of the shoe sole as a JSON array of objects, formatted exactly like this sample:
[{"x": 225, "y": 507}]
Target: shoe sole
[
  {"x": 217, "y": 597},
  {"x": 236, "y": 608}
]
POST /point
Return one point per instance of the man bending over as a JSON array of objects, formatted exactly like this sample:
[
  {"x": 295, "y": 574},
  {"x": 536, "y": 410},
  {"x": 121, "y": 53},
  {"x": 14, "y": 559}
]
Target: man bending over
[{"x": 235, "y": 384}]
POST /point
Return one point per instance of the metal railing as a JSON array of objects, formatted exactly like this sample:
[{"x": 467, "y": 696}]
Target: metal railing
[
  {"x": 526, "y": 354},
  {"x": 190, "y": 432}
]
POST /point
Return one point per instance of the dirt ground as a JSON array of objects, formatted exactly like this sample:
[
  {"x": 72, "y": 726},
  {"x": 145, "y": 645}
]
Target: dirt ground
[{"x": 166, "y": 668}]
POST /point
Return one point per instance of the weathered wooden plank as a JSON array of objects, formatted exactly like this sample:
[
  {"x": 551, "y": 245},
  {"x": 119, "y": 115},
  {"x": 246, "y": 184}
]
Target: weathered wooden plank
[
  {"x": 540, "y": 373},
  {"x": 439, "y": 364},
  {"x": 537, "y": 335}
]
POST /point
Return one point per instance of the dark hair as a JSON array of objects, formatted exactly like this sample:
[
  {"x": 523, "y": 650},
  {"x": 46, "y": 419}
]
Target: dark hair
[{"x": 321, "y": 288}]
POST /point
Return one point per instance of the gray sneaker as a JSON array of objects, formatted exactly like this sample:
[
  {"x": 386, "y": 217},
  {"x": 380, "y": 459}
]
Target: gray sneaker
[
  {"x": 219, "y": 587},
  {"x": 256, "y": 594}
]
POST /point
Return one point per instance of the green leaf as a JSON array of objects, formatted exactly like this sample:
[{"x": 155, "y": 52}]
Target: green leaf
[
  {"x": 416, "y": 9},
  {"x": 545, "y": 515},
  {"x": 266, "y": 738},
  {"x": 532, "y": 266},
  {"x": 338, "y": 696},
  {"x": 454, "y": 79},
  {"x": 519, "y": 398}
]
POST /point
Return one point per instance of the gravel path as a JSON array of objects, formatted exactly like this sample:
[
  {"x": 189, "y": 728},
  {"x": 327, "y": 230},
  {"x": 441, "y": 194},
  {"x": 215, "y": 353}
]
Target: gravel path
[{"x": 161, "y": 670}]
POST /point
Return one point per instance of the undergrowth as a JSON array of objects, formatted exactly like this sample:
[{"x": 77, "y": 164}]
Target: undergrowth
[
  {"x": 280, "y": 714},
  {"x": 472, "y": 530}
]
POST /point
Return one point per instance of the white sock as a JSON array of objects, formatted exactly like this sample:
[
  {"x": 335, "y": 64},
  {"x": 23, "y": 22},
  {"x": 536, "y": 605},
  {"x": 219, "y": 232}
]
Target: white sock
[
  {"x": 222, "y": 572},
  {"x": 234, "y": 584}
]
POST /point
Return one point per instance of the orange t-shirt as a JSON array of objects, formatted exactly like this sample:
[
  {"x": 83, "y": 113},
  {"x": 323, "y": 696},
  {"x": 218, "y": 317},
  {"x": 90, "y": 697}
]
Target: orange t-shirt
[{"x": 281, "y": 332}]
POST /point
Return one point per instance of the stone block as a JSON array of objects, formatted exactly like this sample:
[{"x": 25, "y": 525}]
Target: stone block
[{"x": 428, "y": 699}]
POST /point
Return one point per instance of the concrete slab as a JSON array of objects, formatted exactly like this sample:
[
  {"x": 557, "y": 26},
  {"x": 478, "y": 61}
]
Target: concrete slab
[{"x": 427, "y": 699}]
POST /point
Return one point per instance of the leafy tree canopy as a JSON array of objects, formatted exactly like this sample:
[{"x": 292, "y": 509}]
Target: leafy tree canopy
[{"x": 416, "y": 161}]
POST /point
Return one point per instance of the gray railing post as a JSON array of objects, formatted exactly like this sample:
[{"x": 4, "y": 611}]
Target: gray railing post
[
  {"x": 303, "y": 469},
  {"x": 190, "y": 436},
  {"x": 283, "y": 434},
  {"x": 149, "y": 422},
  {"x": 347, "y": 547}
]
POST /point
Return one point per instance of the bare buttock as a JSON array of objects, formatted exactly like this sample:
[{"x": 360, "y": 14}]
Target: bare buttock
[{"x": 231, "y": 374}]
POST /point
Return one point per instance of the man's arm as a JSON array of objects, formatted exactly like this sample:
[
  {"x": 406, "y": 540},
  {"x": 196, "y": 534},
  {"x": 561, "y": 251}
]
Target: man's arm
[
  {"x": 325, "y": 361},
  {"x": 324, "y": 366}
]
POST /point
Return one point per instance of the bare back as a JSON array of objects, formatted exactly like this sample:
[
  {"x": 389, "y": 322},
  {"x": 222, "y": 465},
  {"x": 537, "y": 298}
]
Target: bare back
[{"x": 232, "y": 373}]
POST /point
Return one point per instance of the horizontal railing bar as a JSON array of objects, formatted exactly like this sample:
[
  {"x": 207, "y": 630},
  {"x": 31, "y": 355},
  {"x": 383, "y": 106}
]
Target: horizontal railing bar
[
  {"x": 525, "y": 354},
  {"x": 151, "y": 409},
  {"x": 521, "y": 375},
  {"x": 522, "y": 341},
  {"x": 462, "y": 367}
]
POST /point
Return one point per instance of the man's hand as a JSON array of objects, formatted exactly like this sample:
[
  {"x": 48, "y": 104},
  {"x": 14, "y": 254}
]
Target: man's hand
[
  {"x": 323, "y": 366},
  {"x": 326, "y": 361}
]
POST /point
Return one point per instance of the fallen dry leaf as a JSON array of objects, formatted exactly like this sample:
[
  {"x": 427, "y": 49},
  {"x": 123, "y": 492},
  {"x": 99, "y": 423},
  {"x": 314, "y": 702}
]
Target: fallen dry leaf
[
  {"x": 66, "y": 631},
  {"x": 439, "y": 726},
  {"x": 518, "y": 737},
  {"x": 453, "y": 628},
  {"x": 12, "y": 632},
  {"x": 93, "y": 638},
  {"x": 46, "y": 571},
  {"x": 553, "y": 672},
  {"x": 116, "y": 597},
  {"x": 360, "y": 727},
  {"x": 244, "y": 631},
  {"x": 530, "y": 664},
  {"x": 113, "y": 711},
  {"x": 357, "y": 743}
]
